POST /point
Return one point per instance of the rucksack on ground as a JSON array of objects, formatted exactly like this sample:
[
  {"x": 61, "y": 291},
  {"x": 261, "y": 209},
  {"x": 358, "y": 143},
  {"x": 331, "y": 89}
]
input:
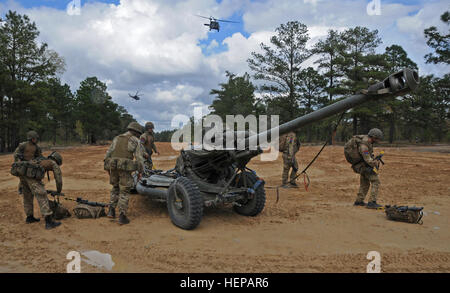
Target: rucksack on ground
[
  {"x": 84, "y": 211},
  {"x": 404, "y": 214},
  {"x": 59, "y": 211}
]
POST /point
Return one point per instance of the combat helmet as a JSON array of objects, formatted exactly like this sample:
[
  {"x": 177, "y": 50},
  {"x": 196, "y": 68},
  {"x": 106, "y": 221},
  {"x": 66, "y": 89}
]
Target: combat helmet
[
  {"x": 135, "y": 127},
  {"x": 32, "y": 134},
  {"x": 55, "y": 156},
  {"x": 149, "y": 125},
  {"x": 376, "y": 133}
]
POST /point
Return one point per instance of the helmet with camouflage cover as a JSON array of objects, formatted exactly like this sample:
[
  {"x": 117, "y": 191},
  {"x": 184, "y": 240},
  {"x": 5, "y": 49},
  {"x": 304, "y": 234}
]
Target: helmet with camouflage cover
[
  {"x": 32, "y": 134},
  {"x": 149, "y": 125},
  {"x": 55, "y": 156},
  {"x": 136, "y": 127},
  {"x": 376, "y": 133}
]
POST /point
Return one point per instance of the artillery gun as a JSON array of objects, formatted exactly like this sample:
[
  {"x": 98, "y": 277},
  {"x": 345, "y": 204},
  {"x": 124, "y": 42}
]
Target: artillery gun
[{"x": 217, "y": 177}]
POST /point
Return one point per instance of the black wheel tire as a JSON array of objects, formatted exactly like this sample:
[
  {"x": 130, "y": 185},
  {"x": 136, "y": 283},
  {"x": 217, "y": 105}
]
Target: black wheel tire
[
  {"x": 189, "y": 214},
  {"x": 254, "y": 206}
]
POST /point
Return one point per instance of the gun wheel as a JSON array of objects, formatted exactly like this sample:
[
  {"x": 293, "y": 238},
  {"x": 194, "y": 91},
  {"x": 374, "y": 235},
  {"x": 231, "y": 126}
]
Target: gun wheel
[
  {"x": 185, "y": 204},
  {"x": 250, "y": 207}
]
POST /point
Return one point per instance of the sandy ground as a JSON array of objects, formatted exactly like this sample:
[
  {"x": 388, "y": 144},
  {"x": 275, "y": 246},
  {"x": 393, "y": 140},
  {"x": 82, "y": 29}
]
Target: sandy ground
[{"x": 314, "y": 231}]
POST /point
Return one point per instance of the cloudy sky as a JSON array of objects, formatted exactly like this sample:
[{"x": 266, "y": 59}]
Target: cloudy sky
[{"x": 162, "y": 49}]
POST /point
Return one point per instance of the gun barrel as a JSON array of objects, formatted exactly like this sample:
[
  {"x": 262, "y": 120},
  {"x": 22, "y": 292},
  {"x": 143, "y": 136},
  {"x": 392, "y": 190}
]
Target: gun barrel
[{"x": 396, "y": 84}]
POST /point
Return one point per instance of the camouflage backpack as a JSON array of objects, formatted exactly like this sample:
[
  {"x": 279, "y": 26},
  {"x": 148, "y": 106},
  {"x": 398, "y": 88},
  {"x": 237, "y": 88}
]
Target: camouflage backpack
[
  {"x": 59, "y": 211},
  {"x": 351, "y": 150},
  {"x": 84, "y": 211},
  {"x": 282, "y": 143},
  {"x": 404, "y": 214}
]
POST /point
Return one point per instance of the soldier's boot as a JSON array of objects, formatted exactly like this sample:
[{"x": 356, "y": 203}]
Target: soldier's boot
[
  {"x": 293, "y": 184},
  {"x": 285, "y": 185},
  {"x": 359, "y": 203},
  {"x": 123, "y": 220},
  {"x": 50, "y": 223},
  {"x": 373, "y": 205},
  {"x": 111, "y": 213},
  {"x": 31, "y": 219}
]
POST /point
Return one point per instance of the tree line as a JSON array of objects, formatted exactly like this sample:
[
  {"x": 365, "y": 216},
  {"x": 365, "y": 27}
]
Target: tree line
[
  {"x": 345, "y": 63},
  {"x": 32, "y": 97}
]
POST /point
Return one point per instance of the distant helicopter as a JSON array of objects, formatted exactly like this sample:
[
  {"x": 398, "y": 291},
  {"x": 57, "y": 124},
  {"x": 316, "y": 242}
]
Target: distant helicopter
[
  {"x": 136, "y": 96},
  {"x": 214, "y": 22}
]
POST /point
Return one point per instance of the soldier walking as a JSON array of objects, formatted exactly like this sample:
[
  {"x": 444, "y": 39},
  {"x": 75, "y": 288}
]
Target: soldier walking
[
  {"x": 28, "y": 158},
  {"x": 120, "y": 165},
  {"x": 290, "y": 148},
  {"x": 359, "y": 151},
  {"x": 148, "y": 142}
]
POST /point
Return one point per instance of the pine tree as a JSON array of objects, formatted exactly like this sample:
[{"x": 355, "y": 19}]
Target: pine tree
[
  {"x": 24, "y": 62},
  {"x": 279, "y": 66},
  {"x": 359, "y": 66},
  {"x": 330, "y": 50},
  {"x": 438, "y": 42},
  {"x": 396, "y": 59},
  {"x": 234, "y": 97}
]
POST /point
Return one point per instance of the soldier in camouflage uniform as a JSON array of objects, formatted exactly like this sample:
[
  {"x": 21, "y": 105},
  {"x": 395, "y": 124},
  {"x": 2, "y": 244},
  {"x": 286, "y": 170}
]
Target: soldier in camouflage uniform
[
  {"x": 365, "y": 168},
  {"x": 32, "y": 187},
  {"x": 289, "y": 161},
  {"x": 26, "y": 151},
  {"x": 120, "y": 165},
  {"x": 148, "y": 142}
]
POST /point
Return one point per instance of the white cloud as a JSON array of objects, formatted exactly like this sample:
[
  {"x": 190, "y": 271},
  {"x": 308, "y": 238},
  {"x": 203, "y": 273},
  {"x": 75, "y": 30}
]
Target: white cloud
[
  {"x": 410, "y": 34},
  {"x": 154, "y": 46},
  {"x": 239, "y": 50},
  {"x": 181, "y": 93}
]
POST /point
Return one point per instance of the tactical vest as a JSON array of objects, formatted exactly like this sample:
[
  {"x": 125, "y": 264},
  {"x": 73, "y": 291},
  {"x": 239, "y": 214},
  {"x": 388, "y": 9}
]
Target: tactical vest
[
  {"x": 149, "y": 139},
  {"x": 29, "y": 152},
  {"x": 121, "y": 148},
  {"x": 121, "y": 159},
  {"x": 351, "y": 149},
  {"x": 284, "y": 144},
  {"x": 27, "y": 169}
]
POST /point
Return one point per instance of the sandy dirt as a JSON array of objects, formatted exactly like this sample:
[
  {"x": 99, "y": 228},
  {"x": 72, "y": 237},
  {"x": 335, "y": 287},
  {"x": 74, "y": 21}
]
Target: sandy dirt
[{"x": 318, "y": 230}]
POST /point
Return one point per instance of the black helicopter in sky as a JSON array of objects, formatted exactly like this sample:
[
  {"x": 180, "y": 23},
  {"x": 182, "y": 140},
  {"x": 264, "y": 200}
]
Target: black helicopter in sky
[
  {"x": 214, "y": 22},
  {"x": 136, "y": 96}
]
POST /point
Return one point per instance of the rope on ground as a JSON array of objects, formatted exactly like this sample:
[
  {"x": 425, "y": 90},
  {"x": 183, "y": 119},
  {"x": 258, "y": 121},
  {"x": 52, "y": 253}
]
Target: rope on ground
[{"x": 306, "y": 180}]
